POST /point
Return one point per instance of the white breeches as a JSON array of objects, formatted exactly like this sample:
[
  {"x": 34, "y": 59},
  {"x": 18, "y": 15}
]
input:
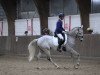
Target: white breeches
[{"x": 60, "y": 36}]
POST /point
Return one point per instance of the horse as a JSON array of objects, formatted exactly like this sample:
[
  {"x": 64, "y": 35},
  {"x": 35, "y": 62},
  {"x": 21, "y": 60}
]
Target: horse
[{"x": 46, "y": 43}]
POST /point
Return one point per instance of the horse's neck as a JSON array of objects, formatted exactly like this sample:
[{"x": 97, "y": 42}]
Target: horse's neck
[
  {"x": 71, "y": 40},
  {"x": 72, "y": 34},
  {"x": 71, "y": 37}
]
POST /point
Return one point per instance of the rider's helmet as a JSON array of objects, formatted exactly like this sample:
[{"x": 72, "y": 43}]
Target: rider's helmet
[{"x": 61, "y": 15}]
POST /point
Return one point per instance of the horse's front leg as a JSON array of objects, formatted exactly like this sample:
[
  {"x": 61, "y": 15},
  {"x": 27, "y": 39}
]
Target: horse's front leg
[
  {"x": 74, "y": 55},
  {"x": 76, "y": 59},
  {"x": 47, "y": 52}
]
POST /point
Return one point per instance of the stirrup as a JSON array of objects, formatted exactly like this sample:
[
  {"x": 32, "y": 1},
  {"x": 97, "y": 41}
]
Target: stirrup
[
  {"x": 59, "y": 50},
  {"x": 64, "y": 49}
]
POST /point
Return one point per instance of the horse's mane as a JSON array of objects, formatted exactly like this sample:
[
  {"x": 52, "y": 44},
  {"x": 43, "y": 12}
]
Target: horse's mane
[
  {"x": 75, "y": 28},
  {"x": 72, "y": 31}
]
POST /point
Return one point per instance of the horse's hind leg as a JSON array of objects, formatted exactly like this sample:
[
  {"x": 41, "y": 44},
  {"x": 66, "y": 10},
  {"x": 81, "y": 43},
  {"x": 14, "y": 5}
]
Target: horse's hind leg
[
  {"x": 38, "y": 55},
  {"x": 47, "y": 52}
]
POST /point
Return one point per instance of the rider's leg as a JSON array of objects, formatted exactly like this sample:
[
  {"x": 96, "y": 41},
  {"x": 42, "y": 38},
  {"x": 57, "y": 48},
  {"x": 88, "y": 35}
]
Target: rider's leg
[
  {"x": 60, "y": 36},
  {"x": 60, "y": 41}
]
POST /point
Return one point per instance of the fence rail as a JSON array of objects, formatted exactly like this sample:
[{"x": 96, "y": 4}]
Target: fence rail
[{"x": 90, "y": 47}]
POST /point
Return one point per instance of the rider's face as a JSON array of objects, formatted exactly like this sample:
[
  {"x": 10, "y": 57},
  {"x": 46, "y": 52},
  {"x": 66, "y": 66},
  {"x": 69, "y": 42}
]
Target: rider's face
[{"x": 61, "y": 18}]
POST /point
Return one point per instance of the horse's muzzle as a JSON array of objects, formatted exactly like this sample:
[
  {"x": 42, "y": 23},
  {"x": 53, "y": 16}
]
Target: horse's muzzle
[{"x": 81, "y": 39}]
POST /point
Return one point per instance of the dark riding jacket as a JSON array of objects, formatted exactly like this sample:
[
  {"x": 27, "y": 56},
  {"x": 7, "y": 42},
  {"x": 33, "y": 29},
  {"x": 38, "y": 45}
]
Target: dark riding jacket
[{"x": 59, "y": 27}]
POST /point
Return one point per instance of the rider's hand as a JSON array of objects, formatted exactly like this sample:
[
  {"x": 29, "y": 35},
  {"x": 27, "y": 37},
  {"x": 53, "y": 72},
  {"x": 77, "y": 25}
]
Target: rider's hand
[{"x": 64, "y": 32}]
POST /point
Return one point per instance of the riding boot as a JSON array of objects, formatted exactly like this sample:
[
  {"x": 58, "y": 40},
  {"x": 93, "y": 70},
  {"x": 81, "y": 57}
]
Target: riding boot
[{"x": 59, "y": 46}]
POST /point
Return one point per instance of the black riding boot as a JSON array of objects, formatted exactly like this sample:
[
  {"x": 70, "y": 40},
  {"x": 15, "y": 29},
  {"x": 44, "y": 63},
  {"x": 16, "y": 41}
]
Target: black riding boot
[
  {"x": 59, "y": 46},
  {"x": 60, "y": 42}
]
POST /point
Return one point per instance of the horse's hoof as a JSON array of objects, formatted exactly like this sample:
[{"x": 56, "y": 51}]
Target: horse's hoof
[
  {"x": 65, "y": 67},
  {"x": 76, "y": 67},
  {"x": 58, "y": 67},
  {"x": 78, "y": 64},
  {"x": 38, "y": 68}
]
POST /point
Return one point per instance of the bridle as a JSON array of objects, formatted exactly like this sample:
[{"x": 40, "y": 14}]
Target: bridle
[{"x": 77, "y": 34}]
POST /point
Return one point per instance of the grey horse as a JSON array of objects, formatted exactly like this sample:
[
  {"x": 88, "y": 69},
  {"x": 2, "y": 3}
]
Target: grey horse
[{"x": 46, "y": 43}]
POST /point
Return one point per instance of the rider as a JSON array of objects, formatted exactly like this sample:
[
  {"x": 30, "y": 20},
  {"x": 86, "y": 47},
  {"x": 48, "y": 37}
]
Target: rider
[{"x": 59, "y": 31}]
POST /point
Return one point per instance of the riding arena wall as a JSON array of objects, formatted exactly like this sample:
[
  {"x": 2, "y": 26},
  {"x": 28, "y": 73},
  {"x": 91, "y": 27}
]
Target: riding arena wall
[{"x": 90, "y": 47}]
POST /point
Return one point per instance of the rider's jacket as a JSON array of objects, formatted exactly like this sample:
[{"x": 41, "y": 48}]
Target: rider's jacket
[{"x": 59, "y": 27}]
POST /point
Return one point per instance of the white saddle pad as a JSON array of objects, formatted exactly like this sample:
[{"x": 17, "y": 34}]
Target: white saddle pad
[{"x": 55, "y": 41}]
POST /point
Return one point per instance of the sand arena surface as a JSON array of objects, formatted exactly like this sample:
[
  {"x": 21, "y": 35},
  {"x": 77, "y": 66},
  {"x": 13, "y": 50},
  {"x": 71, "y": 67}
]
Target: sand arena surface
[{"x": 16, "y": 65}]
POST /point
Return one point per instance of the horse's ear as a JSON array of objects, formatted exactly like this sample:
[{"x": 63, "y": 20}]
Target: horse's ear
[{"x": 81, "y": 26}]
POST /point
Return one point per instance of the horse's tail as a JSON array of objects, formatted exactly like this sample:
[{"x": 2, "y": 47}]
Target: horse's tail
[{"x": 32, "y": 48}]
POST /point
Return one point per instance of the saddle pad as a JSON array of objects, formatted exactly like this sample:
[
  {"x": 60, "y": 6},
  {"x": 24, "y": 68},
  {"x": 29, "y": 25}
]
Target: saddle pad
[
  {"x": 65, "y": 39},
  {"x": 55, "y": 41}
]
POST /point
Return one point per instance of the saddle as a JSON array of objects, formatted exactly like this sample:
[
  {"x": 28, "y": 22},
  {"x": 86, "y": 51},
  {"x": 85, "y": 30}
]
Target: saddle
[{"x": 58, "y": 41}]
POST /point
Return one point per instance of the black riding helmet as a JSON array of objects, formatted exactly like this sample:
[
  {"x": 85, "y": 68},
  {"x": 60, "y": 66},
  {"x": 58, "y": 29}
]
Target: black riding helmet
[{"x": 61, "y": 15}]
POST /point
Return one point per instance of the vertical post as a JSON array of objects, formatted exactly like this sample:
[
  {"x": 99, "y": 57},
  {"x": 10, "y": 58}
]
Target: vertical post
[
  {"x": 27, "y": 24},
  {"x": 64, "y": 23},
  {"x": 32, "y": 26},
  {"x": 1, "y": 28},
  {"x": 69, "y": 23}
]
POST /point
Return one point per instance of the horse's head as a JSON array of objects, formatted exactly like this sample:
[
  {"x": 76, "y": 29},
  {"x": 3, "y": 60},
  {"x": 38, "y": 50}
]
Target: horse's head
[{"x": 77, "y": 32}]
